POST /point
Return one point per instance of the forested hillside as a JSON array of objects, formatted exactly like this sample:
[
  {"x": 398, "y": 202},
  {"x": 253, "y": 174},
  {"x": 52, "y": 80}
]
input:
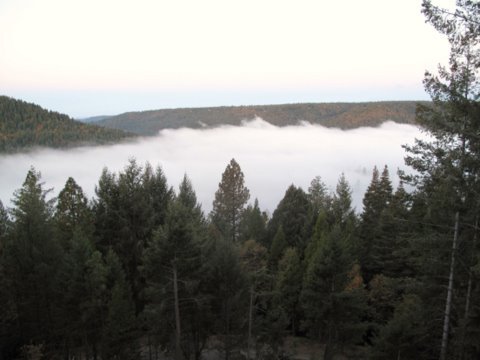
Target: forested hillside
[
  {"x": 24, "y": 125},
  {"x": 341, "y": 115}
]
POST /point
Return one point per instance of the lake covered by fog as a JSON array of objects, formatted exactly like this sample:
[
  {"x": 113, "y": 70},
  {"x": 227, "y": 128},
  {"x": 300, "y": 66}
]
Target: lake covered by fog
[{"x": 271, "y": 158}]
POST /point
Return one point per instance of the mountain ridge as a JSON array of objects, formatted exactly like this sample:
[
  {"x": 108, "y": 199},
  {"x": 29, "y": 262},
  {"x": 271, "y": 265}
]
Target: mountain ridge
[{"x": 343, "y": 115}]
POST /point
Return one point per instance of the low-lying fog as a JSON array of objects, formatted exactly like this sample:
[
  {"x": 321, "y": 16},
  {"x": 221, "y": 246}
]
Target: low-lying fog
[{"x": 271, "y": 158}]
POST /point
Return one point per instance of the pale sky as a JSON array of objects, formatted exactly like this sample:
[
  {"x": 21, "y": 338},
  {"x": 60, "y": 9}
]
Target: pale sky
[{"x": 96, "y": 57}]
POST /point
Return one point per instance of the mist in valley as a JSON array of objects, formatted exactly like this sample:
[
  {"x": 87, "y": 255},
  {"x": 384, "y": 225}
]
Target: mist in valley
[{"x": 271, "y": 158}]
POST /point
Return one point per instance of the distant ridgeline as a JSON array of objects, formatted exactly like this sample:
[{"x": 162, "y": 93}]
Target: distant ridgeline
[
  {"x": 24, "y": 125},
  {"x": 341, "y": 115}
]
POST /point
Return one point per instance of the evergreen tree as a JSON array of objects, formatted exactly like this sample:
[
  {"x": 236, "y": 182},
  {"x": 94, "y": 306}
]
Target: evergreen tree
[
  {"x": 83, "y": 280},
  {"x": 448, "y": 167},
  {"x": 320, "y": 202},
  {"x": 253, "y": 224},
  {"x": 229, "y": 289},
  {"x": 292, "y": 214},
  {"x": 342, "y": 212},
  {"x": 173, "y": 266},
  {"x": 318, "y": 195},
  {"x": 230, "y": 200},
  {"x": 127, "y": 210},
  {"x": 160, "y": 195},
  {"x": 332, "y": 298},
  {"x": 402, "y": 336},
  {"x": 119, "y": 333},
  {"x": 31, "y": 262},
  {"x": 279, "y": 244},
  {"x": 372, "y": 249},
  {"x": 254, "y": 261},
  {"x": 72, "y": 213},
  {"x": 288, "y": 287},
  {"x": 3, "y": 226},
  {"x": 7, "y": 304}
]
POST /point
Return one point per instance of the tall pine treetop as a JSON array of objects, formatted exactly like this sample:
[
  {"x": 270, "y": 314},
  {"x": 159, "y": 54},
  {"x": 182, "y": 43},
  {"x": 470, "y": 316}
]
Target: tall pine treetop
[{"x": 230, "y": 200}]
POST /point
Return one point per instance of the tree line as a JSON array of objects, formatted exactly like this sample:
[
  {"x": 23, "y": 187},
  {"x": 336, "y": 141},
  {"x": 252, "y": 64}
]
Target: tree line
[{"x": 140, "y": 270}]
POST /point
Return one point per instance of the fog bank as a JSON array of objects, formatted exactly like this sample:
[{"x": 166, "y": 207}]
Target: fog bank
[{"x": 271, "y": 158}]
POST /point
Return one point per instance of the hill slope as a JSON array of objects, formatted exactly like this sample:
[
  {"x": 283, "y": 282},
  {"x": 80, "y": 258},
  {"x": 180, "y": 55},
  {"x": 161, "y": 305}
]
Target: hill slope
[
  {"x": 342, "y": 115},
  {"x": 24, "y": 125}
]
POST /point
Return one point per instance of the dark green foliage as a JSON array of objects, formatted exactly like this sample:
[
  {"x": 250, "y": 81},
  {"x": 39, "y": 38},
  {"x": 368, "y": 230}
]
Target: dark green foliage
[
  {"x": 332, "y": 297},
  {"x": 24, "y": 125},
  {"x": 253, "y": 224},
  {"x": 119, "y": 333},
  {"x": 279, "y": 244},
  {"x": 173, "y": 270},
  {"x": 403, "y": 336},
  {"x": 230, "y": 200},
  {"x": 341, "y": 211},
  {"x": 292, "y": 214},
  {"x": 127, "y": 210},
  {"x": 229, "y": 288},
  {"x": 374, "y": 233},
  {"x": 72, "y": 213},
  {"x": 7, "y": 302},
  {"x": 288, "y": 287},
  {"x": 253, "y": 257},
  {"x": 3, "y": 224},
  {"x": 447, "y": 173},
  {"x": 31, "y": 259},
  {"x": 83, "y": 280}
]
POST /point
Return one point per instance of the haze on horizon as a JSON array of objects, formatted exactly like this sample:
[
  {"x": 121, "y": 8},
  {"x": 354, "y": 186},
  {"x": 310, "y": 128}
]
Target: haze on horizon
[{"x": 88, "y": 57}]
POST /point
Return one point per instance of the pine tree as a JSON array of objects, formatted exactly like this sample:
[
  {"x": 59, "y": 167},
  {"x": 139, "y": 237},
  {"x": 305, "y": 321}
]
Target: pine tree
[
  {"x": 288, "y": 287},
  {"x": 332, "y": 298},
  {"x": 292, "y": 214},
  {"x": 401, "y": 337},
  {"x": 254, "y": 261},
  {"x": 447, "y": 167},
  {"x": 279, "y": 244},
  {"x": 127, "y": 210},
  {"x": 8, "y": 314},
  {"x": 4, "y": 223},
  {"x": 372, "y": 249},
  {"x": 342, "y": 211},
  {"x": 72, "y": 213},
  {"x": 173, "y": 266},
  {"x": 31, "y": 263},
  {"x": 228, "y": 286},
  {"x": 160, "y": 195},
  {"x": 119, "y": 333},
  {"x": 253, "y": 224},
  {"x": 83, "y": 280},
  {"x": 230, "y": 200}
]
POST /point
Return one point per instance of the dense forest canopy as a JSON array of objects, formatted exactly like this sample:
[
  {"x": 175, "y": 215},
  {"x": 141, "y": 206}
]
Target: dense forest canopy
[{"x": 24, "y": 125}]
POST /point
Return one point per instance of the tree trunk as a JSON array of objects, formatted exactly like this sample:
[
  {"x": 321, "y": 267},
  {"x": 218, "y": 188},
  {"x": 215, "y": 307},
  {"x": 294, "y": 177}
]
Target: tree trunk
[
  {"x": 178, "y": 332},
  {"x": 448, "y": 304},
  {"x": 469, "y": 293},
  {"x": 250, "y": 321}
]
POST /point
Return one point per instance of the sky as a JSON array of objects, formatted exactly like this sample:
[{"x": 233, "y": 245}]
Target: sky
[
  {"x": 275, "y": 158},
  {"x": 104, "y": 57}
]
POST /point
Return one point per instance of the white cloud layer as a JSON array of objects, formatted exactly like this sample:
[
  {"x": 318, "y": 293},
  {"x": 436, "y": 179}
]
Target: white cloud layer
[{"x": 271, "y": 158}]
